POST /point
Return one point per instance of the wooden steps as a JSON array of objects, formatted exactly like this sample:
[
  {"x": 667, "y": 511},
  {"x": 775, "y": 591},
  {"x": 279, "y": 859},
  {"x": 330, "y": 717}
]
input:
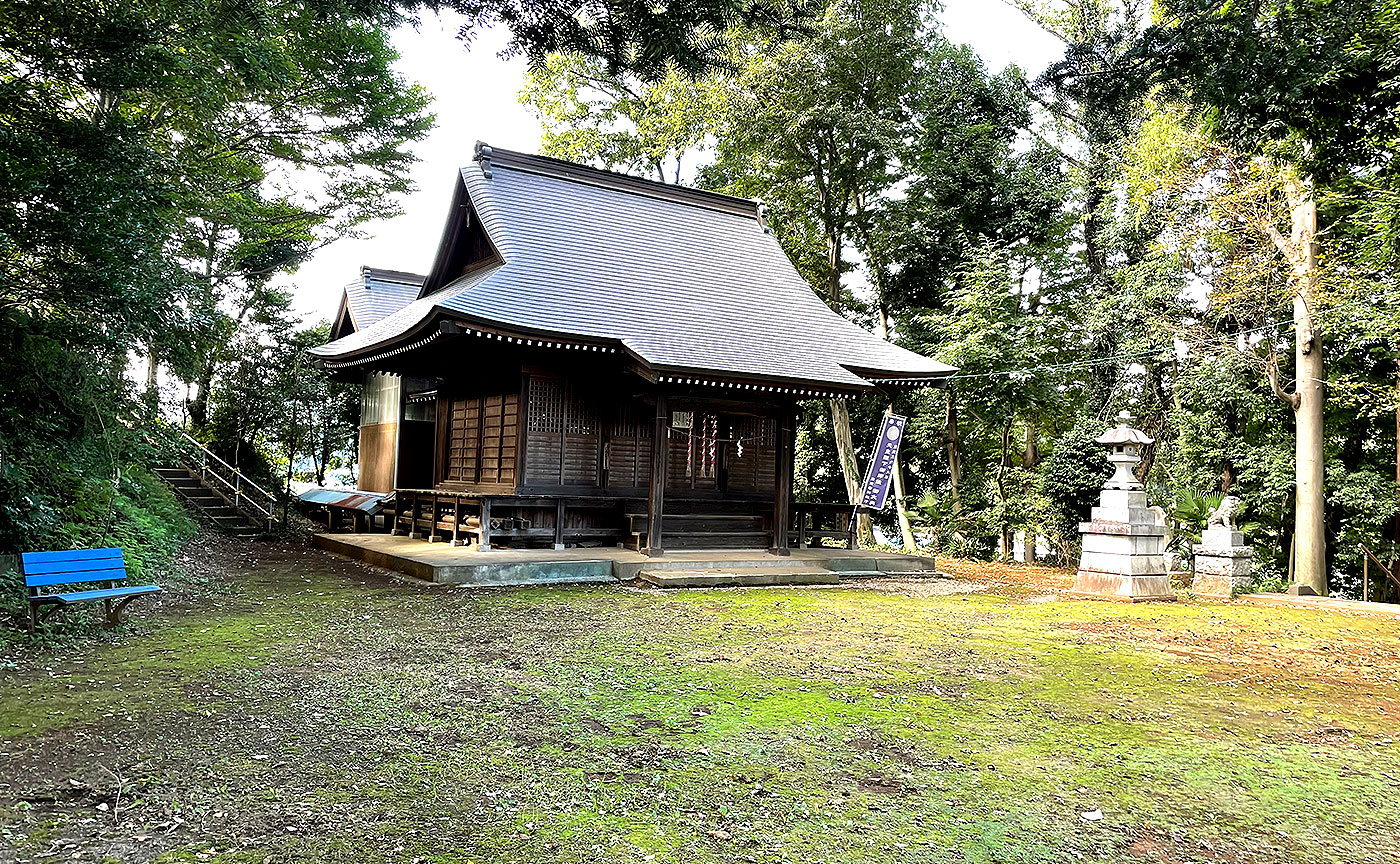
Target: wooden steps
[{"x": 692, "y": 529}]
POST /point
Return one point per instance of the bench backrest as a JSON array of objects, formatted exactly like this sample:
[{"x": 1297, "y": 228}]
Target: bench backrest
[{"x": 74, "y": 565}]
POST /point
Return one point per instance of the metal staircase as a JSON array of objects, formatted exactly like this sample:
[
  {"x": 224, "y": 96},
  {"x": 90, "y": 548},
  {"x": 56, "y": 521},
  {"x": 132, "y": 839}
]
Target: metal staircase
[{"x": 216, "y": 489}]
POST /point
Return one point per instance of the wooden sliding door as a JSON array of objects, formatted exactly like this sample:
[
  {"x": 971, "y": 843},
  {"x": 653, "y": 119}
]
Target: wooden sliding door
[{"x": 480, "y": 440}]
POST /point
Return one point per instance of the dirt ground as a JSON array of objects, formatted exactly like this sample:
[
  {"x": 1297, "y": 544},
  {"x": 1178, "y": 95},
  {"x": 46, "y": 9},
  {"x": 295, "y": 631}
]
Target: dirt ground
[{"x": 283, "y": 705}]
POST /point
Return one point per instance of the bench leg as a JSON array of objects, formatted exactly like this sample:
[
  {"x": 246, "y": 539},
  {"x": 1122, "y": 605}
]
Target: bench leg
[
  {"x": 107, "y": 608},
  {"x": 119, "y": 613},
  {"x": 39, "y": 614}
]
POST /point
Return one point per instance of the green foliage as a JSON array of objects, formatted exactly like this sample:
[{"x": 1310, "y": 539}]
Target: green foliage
[
  {"x": 1367, "y": 501},
  {"x": 1312, "y": 79},
  {"x": 137, "y": 513},
  {"x": 160, "y": 161},
  {"x": 1072, "y": 477},
  {"x": 654, "y": 128},
  {"x": 646, "y": 40},
  {"x": 1191, "y": 512}
]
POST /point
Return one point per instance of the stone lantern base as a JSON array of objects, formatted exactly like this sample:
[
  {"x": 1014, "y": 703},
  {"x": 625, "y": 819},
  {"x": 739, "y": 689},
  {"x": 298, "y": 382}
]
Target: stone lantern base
[
  {"x": 1123, "y": 545},
  {"x": 1223, "y": 564}
]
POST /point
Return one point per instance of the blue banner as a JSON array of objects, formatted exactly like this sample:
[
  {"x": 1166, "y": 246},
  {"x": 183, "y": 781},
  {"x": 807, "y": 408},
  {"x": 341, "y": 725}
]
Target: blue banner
[{"x": 876, "y": 489}]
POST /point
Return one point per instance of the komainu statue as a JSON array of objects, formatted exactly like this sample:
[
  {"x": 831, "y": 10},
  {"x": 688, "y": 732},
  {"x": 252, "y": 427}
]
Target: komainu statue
[{"x": 1224, "y": 515}]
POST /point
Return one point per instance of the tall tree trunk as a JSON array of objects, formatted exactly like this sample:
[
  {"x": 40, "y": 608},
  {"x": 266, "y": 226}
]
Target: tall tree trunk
[
  {"x": 1030, "y": 461},
  {"x": 1395, "y": 559},
  {"x": 906, "y": 530},
  {"x": 198, "y": 404},
  {"x": 291, "y": 461},
  {"x": 323, "y": 459},
  {"x": 840, "y": 411},
  {"x": 954, "y": 454},
  {"x": 850, "y": 471},
  {"x": 1007, "y": 546},
  {"x": 1310, "y": 518},
  {"x": 152, "y": 391},
  {"x": 901, "y": 509}
]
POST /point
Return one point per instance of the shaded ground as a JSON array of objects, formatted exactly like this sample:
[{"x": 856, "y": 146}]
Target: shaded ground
[{"x": 320, "y": 711}]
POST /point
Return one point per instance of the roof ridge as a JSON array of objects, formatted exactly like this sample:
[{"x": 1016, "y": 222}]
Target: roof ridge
[
  {"x": 383, "y": 275},
  {"x": 493, "y": 157}
]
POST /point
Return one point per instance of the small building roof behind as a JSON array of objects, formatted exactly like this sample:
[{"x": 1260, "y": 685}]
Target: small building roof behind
[
  {"x": 376, "y": 295},
  {"x": 687, "y": 282}
]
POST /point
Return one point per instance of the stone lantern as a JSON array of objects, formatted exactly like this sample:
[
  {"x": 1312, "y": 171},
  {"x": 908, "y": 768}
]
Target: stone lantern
[{"x": 1124, "y": 539}]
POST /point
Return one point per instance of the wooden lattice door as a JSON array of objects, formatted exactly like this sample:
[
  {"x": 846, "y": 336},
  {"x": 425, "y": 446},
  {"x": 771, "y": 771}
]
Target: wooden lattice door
[{"x": 481, "y": 440}]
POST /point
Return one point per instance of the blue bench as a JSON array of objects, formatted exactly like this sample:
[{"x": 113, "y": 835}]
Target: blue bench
[{"x": 106, "y": 566}]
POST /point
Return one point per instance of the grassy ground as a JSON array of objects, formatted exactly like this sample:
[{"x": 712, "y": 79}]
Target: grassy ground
[{"x": 321, "y": 712}]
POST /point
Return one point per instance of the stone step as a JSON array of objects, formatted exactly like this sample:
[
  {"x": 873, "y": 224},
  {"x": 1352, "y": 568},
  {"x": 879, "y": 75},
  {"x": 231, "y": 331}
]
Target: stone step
[
  {"x": 210, "y": 505},
  {"x": 737, "y": 577}
]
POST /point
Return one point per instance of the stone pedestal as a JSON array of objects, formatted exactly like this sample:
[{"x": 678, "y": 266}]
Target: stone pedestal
[
  {"x": 1223, "y": 564},
  {"x": 1123, "y": 545}
]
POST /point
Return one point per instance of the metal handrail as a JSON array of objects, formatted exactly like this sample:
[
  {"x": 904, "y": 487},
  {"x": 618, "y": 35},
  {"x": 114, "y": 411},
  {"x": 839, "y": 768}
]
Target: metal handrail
[
  {"x": 212, "y": 455},
  {"x": 1366, "y": 571},
  {"x": 209, "y": 466},
  {"x": 238, "y": 494}
]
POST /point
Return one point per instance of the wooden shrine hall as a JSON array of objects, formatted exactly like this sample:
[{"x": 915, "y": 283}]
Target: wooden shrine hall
[{"x": 596, "y": 359}]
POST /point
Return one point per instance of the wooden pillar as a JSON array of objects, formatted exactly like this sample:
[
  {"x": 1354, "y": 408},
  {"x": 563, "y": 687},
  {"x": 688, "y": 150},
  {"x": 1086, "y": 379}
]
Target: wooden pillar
[
  {"x": 483, "y": 543},
  {"x": 782, "y": 482},
  {"x": 660, "y": 456},
  {"x": 413, "y": 504},
  {"x": 559, "y": 523}
]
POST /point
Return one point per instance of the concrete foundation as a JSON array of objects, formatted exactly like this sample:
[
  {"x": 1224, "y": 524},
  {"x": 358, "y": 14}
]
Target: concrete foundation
[{"x": 444, "y": 564}]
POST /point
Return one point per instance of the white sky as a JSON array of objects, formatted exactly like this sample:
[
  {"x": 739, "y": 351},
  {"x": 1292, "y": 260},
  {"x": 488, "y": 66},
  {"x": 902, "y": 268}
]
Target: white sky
[{"x": 475, "y": 98}]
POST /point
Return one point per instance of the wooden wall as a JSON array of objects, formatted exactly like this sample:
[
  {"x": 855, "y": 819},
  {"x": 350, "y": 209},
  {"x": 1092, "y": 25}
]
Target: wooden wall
[
  {"x": 563, "y": 433},
  {"x": 378, "y": 447},
  {"x": 708, "y": 457},
  {"x": 589, "y": 431}
]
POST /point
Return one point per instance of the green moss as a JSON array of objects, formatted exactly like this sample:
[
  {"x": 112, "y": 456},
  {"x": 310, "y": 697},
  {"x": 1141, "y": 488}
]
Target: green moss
[{"x": 836, "y": 725}]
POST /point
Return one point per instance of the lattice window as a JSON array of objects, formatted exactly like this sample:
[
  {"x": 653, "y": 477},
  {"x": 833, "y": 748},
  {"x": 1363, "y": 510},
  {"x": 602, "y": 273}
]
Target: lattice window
[
  {"x": 546, "y": 409},
  {"x": 580, "y": 414},
  {"x": 632, "y": 420},
  {"x": 767, "y": 432}
]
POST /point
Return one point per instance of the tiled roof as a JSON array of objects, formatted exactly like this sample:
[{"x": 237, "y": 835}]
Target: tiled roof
[
  {"x": 380, "y": 293},
  {"x": 687, "y": 281}
]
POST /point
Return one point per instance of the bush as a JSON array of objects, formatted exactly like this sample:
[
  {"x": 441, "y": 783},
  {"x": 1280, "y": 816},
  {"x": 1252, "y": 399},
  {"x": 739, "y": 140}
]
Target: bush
[
  {"x": 1073, "y": 475},
  {"x": 137, "y": 512}
]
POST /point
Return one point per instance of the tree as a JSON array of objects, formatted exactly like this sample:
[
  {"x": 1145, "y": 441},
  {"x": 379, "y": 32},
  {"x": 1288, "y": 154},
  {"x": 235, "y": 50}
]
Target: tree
[
  {"x": 621, "y": 122},
  {"x": 993, "y": 325},
  {"x": 647, "y": 40},
  {"x": 1296, "y": 87},
  {"x": 131, "y": 132},
  {"x": 817, "y": 129}
]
